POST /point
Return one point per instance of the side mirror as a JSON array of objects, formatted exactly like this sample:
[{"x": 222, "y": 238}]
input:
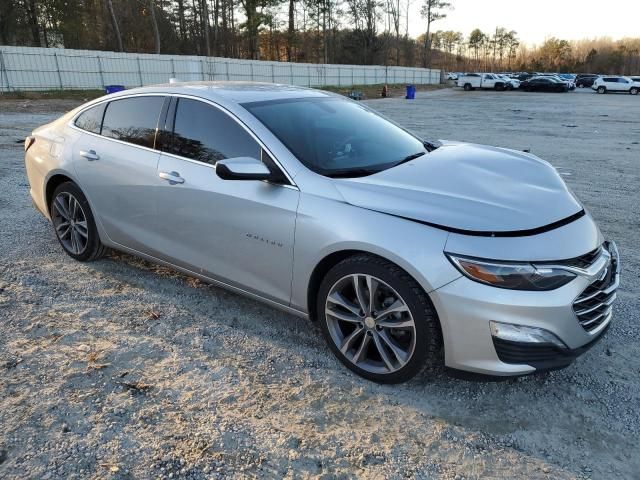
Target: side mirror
[{"x": 242, "y": 168}]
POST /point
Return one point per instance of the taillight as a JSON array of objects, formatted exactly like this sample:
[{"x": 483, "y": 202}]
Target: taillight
[{"x": 28, "y": 142}]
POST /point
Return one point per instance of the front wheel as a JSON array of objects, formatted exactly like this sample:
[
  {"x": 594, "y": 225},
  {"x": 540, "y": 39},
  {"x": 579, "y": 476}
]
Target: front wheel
[
  {"x": 74, "y": 224},
  {"x": 467, "y": 87},
  {"x": 602, "y": 90},
  {"x": 634, "y": 91},
  {"x": 377, "y": 320}
]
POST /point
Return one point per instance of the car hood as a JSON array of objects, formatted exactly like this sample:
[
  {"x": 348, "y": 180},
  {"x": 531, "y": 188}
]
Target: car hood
[{"x": 467, "y": 187}]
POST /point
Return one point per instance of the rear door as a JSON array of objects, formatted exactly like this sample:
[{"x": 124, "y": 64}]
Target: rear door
[
  {"x": 624, "y": 85},
  {"x": 117, "y": 164},
  {"x": 238, "y": 232}
]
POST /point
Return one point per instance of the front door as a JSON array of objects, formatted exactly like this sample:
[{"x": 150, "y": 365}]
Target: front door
[{"x": 238, "y": 232}]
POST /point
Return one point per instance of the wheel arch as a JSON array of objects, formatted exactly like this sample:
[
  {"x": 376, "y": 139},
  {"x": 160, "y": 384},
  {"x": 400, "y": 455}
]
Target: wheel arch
[
  {"x": 332, "y": 259},
  {"x": 52, "y": 183}
]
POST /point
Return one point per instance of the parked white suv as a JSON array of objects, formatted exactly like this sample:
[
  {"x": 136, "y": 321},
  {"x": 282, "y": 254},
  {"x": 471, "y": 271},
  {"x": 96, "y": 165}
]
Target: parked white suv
[{"x": 616, "y": 84}]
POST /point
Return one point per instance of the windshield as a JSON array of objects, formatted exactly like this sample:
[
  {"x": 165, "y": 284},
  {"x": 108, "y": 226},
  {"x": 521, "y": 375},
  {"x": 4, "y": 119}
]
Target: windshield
[{"x": 336, "y": 137}]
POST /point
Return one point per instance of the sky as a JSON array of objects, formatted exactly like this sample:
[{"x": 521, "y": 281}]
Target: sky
[{"x": 536, "y": 20}]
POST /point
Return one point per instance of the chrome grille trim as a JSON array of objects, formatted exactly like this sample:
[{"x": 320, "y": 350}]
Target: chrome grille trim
[{"x": 593, "y": 307}]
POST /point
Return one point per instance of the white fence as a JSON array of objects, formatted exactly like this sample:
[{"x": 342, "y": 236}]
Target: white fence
[{"x": 30, "y": 68}]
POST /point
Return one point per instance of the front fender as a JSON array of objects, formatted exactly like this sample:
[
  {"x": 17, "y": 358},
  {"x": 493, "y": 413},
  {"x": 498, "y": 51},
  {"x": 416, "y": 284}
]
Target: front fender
[{"x": 325, "y": 226}]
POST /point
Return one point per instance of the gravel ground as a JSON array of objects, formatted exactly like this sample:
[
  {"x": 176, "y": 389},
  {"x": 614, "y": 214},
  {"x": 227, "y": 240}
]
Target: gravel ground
[{"x": 124, "y": 369}]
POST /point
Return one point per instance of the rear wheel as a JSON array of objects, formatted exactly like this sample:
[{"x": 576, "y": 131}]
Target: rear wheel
[
  {"x": 633, "y": 91},
  {"x": 602, "y": 90},
  {"x": 377, "y": 320},
  {"x": 74, "y": 223},
  {"x": 467, "y": 87}
]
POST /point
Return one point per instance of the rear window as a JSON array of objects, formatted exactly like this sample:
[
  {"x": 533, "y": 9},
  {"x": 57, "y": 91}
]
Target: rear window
[
  {"x": 133, "y": 120},
  {"x": 91, "y": 119}
]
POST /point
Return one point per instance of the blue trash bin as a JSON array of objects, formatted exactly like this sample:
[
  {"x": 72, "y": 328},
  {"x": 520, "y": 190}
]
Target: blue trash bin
[
  {"x": 113, "y": 88},
  {"x": 411, "y": 92}
]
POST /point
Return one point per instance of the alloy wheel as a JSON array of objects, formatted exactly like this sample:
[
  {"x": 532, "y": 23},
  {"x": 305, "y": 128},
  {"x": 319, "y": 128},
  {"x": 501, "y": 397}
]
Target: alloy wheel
[
  {"x": 370, "y": 323},
  {"x": 70, "y": 223}
]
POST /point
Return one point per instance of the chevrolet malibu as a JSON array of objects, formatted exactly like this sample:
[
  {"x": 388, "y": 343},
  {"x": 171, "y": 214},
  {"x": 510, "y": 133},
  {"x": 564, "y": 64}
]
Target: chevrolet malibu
[{"x": 409, "y": 253}]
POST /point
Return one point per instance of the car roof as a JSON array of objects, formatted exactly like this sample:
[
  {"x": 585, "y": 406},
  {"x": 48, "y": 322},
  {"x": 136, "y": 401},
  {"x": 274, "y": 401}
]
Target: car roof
[{"x": 235, "y": 92}]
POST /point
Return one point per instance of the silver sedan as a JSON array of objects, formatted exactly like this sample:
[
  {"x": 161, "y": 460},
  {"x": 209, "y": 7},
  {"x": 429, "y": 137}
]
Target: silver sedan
[{"x": 408, "y": 252}]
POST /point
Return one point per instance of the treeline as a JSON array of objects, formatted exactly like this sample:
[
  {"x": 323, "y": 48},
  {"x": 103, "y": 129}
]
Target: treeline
[
  {"x": 320, "y": 31},
  {"x": 370, "y": 32},
  {"x": 502, "y": 51}
]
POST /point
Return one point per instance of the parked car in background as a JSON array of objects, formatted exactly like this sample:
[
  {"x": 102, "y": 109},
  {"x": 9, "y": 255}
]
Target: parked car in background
[
  {"x": 512, "y": 83},
  {"x": 570, "y": 84},
  {"x": 567, "y": 76},
  {"x": 525, "y": 76},
  {"x": 544, "y": 84},
  {"x": 489, "y": 81},
  {"x": 406, "y": 252},
  {"x": 452, "y": 76},
  {"x": 585, "y": 80},
  {"x": 617, "y": 84}
]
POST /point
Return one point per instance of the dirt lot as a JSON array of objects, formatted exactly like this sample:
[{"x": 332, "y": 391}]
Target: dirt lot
[{"x": 124, "y": 369}]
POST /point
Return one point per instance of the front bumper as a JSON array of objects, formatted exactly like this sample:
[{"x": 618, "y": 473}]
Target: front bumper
[
  {"x": 541, "y": 356},
  {"x": 466, "y": 309}
]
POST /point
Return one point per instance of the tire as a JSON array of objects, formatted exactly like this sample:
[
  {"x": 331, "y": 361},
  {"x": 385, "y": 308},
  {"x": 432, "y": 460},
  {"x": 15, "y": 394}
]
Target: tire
[
  {"x": 358, "y": 329},
  {"x": 80, "y": 240},
  {"x": 467, "y": 87},
  {"x": 634, "y": 91},
  {"x": 499, "y": 87},
  {"x": 602, "y": 90},
  {"x": 580, "y": 85}
]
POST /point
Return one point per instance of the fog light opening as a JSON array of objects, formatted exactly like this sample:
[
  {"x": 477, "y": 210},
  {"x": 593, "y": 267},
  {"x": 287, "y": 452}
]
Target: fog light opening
[{"x": 522, "y": 334}]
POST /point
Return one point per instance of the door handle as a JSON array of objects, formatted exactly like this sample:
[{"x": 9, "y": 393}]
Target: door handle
[
  {"x": 171, "y": 177},
  {"x": 90, "y": 155}
]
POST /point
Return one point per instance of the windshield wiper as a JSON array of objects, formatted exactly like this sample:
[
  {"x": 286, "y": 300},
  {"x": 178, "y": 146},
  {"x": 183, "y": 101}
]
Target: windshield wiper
[
  {"x": 351, "y": 172},
  {"x": 408, "y": 158}
]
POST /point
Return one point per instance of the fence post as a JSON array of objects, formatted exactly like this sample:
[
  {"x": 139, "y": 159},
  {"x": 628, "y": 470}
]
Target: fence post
[
  {"x": 100, "y": 70},
  {"x": 251, "y": 68},
  {"x": 273, "y": 75},
  {"x": 291, "y": 73},
  {"x": 309, "y": 75},
  {"x": 55, "y": 56},
  {"x": 3, "y": 70},
  {"x": 352, "y": 81},
  {"x": 202, "y": 62},
  {"x": 139, "y": 70},
  {"x": 173, "y": 68}
]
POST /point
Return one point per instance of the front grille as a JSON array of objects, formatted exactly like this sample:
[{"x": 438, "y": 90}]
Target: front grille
[{"x": 593, "y": 306}]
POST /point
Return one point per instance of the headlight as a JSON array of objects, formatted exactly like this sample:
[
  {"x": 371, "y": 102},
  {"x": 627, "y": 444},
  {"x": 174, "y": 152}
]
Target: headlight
[{"x": 511, "y": 275}]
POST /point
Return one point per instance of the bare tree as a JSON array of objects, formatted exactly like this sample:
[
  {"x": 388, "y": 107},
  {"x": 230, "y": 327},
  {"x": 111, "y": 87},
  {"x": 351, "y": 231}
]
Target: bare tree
[
  {"x": 114, "y": 23},
  {"x": 154, "y": 21},
  {"x": 431, "y": 11}
]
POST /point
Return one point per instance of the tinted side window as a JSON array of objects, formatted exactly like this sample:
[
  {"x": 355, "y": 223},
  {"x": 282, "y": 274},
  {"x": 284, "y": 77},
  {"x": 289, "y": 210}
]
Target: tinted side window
[
  {"x": 608, "y": 79},
  {"x": 133, "y": 120},
  {"x": 205, "y": 133},
  {"x": 91, "y": 119}
]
